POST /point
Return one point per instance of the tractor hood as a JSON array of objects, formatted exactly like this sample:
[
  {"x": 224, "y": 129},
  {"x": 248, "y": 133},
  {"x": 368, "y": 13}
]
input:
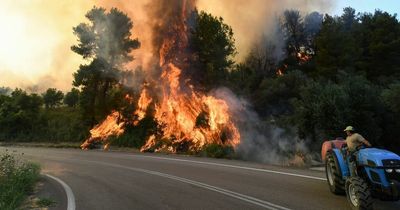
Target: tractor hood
[{"x": 378, "y": 157}]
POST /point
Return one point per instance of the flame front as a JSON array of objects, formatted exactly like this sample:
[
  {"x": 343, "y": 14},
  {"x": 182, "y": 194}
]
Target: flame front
[
  {"x": 143, "y": 103},
  {"x": 111, "y": 126},
  {"x": 187, "y": 119},
  {"x": 191, "y": 118}
]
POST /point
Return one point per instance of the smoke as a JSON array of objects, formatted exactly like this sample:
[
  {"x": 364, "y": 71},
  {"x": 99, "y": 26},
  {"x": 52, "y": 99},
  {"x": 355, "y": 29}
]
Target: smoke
[
  {"x": 263, "y": 141},
  {"x": 38, "y": 34},
  {"x": 253, "y": 19}
]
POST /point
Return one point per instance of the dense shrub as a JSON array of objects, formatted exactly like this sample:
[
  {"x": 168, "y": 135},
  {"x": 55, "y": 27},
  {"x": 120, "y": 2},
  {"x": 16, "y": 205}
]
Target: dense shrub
[
  {"x": 217, "y": 151},
  {"x": 17, "y": 179}
]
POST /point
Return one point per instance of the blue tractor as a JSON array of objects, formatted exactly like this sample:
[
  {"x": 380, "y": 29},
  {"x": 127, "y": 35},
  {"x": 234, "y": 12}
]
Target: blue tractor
[{"x": 376, "y": 174}]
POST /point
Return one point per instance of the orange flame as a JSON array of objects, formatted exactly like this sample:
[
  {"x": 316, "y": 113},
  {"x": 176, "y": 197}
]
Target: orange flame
[
  {"x": 111, "y": 126},
  {"x": 281, "y": 71},
  {"x": 303, "y": 57},
  {"x": 192, "y": 117},
  {"x": 143, "y": 103}
]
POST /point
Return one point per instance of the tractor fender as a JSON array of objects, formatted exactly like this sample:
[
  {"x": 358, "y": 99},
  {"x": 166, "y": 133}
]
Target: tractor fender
[
  {"x": 342, "y": 164},
  {"x": 329, "y": 145}
]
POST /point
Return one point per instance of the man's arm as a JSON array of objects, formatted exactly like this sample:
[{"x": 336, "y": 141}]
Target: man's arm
[
  {"x": 367, "y": 143},
  {"x": 364, "y": 141}
]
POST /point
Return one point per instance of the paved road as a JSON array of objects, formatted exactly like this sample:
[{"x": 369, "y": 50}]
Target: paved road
[{"x": 116, "y": 180}]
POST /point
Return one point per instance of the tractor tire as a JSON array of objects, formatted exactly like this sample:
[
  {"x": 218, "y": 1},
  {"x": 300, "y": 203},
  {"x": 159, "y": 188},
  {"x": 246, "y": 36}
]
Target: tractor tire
[
  {"x": 333, "y": 175},
  {"x": 358, "y": 194}
]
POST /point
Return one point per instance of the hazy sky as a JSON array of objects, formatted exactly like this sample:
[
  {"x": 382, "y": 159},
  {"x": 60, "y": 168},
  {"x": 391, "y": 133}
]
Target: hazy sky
[{"x": 36, "y": 35}]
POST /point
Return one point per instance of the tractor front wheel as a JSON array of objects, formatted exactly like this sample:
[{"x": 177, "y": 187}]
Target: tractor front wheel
[
  {"x": 333, "y": 175},
  {"x": 358, "y": 194}
]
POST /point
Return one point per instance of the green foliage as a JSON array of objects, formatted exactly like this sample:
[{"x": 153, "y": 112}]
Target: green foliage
[
  {"x": 52, "y": 97},
  {"x": 71, "y": 99},
  {"x": 61, "y": 124},
  {"x": 391, "y": 97},
  {"x": 274, "y": 95},
  {"x": 324, "y": 108},
  {"x": 217, "y": 151},
  {"x": 19, "y": 113},
  {"x": 22, "y": 118},
  {"x": 17, "y": 179},
  {"x": 366, "y": 43},
  {"x": 136, "y": 136},
  {"x": 212, "y": 41},
  {"x": 45, "y": 202}
]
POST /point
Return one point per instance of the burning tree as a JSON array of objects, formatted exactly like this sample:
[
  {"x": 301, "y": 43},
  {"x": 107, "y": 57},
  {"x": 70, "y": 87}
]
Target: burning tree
[
  {"x": 187, "y": 118},
  {"x": 106, "y": 42}
]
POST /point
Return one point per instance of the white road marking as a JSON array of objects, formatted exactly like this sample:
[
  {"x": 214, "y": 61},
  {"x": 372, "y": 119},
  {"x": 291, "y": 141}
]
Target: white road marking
[
  {"x": 250, "y": 199},
  {"x": 318, "y": 168},
  {"x": 234, "y": 166},
  {"x": 70, "y": 195}
]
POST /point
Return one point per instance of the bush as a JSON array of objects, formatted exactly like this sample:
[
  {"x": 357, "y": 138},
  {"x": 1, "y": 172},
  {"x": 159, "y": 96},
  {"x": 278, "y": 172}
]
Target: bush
[
  {"x": 17, "y": 179},
  {"x": 217, "y": 151},
  {"x": 136, "y": 136}
]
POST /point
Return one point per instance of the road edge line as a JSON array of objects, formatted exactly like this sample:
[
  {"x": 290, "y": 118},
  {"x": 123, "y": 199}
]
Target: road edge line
[
  {"x": 235, "y": 166},
  {"x": 70, "y": 195},
  {"x": 243, "y": 197}
]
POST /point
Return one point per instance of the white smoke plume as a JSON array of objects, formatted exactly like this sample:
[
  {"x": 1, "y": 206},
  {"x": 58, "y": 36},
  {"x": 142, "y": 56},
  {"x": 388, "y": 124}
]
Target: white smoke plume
[
  {"x": 252, "y": 19},
  {"x": 263, "y": 141}
]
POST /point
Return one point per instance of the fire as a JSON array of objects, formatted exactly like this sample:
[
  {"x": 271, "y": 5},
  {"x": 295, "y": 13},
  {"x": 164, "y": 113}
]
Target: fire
[
  {"x": 187, "y": 119},
  {"x": 281, "y": 71},
  {"x": 190, "y": 117},
  {"x": 303, "y": 57},
  {"x": 111, "y": 126},
  {"x": 143, "y": 103}
]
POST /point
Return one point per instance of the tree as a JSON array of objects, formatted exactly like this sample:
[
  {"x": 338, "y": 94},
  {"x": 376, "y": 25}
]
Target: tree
[
  {"x": 105, "y": 41},
  {"x": 324, "y": 108},
  {"x": 391, "y": 97},
  {"x": 293, "y": 29},
  {"x": 213, "y": 43},
  {"x": 312, "y": 24},
  {"x": 338, "y": 47},
  {"x": 274, "y": 95},
  {"x": 391, "y": 130},
  {"x": 19, "y": 114},
  {"x": 71, "y": 99},
  {"x": 5, "y": 91},
  {"x": 52, "y": 97},
  {"x": 348, "y": 18},
  {"x": 380, "y": 45}
]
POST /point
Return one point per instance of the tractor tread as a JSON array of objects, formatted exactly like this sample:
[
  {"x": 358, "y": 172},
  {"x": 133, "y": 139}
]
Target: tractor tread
[
  {"x": 362, "y": 192},
  {"x": 339, "y": 184}
]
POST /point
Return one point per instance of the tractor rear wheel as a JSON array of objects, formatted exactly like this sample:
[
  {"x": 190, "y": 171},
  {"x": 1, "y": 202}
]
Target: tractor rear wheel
[
  {"x": 358, "y": 194},
  {"x": 333, "y": 175}
]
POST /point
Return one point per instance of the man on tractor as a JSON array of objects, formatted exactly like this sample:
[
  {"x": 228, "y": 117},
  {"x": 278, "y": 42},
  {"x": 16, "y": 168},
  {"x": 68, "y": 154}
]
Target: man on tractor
[
  {"x": 354, "y": 141},
  {"x": 361, "y": 173}
]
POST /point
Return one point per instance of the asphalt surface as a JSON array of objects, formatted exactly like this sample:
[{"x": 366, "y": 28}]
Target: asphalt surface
[{"x": 118, "y": 180}]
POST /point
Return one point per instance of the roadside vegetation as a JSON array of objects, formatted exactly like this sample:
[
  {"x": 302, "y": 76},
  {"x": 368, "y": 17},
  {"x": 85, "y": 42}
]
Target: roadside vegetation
[
  {"x": 325, "y": 73},
  {"x": 17, "y": 179}
]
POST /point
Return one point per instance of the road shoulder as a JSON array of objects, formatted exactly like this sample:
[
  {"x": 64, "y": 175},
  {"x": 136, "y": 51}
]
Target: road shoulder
[{"x": 50, "y": 191}]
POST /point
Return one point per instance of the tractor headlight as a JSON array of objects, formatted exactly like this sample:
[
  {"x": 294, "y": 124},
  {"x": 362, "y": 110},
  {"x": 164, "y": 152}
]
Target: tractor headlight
[
  {"x": 398, "y": 170},
  {"x": 389, "y": 170}
]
